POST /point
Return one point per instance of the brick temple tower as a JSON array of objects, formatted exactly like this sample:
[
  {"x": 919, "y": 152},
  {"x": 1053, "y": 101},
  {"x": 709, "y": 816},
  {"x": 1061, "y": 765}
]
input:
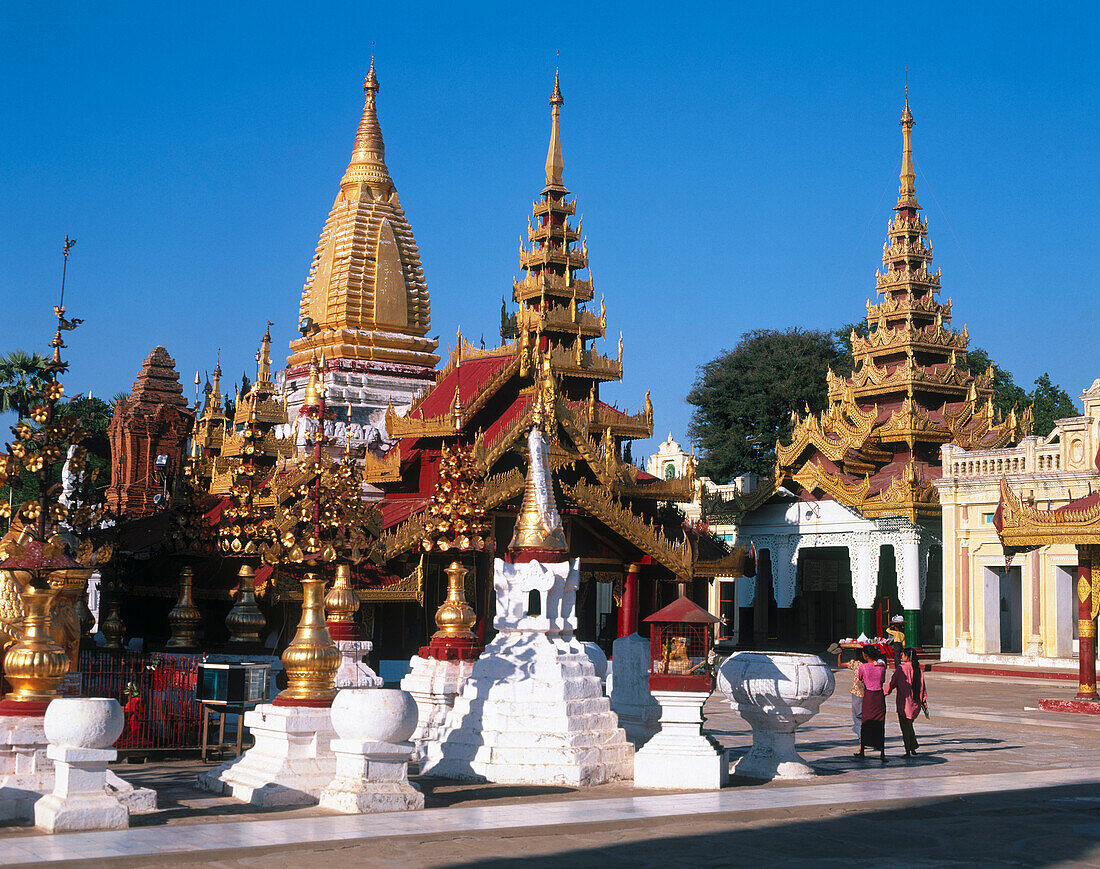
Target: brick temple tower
[{"x": 154, "y": 421}]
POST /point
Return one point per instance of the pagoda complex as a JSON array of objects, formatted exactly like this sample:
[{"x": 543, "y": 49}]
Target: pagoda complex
[
  {"x": 365, "y": 304},
  {"x": 859, "y": 476},
  {"x": 547, "y": 369}
]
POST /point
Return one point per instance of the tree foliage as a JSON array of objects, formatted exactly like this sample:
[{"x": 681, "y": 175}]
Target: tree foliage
[
  {"x": 744, "y": 397},
  {"x": 19, "y": 370}
]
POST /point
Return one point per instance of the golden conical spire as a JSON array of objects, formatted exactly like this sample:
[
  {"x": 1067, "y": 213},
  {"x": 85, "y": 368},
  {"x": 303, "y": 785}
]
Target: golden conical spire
[
  {"x": 368, "y": 159},
  {"x": 908, "y": 188},
  {"x": 538, "y": 526},
  {"x": 554, "y": 163},
  {"x": 263, "y": 358}
]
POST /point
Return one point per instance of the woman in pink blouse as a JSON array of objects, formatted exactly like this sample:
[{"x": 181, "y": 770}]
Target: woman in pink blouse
[
  {"x": 912, "y": 697},
  {"x": 872, "y": 731}
]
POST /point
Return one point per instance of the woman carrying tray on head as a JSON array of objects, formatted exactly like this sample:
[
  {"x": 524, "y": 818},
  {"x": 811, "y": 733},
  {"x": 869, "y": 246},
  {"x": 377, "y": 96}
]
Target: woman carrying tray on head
[
  {"x": 857, "y": 687},
  {"x": 872, "y": 731}
]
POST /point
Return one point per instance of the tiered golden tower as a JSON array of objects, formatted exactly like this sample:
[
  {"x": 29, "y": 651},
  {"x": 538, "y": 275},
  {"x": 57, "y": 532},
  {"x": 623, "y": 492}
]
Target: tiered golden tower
[
  {"x": 365, "y": 304},
  {"x": 876, "y": 447}
]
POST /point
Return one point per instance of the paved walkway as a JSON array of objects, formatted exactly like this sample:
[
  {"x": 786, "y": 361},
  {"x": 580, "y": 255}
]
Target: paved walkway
[{"x": 995, "y": 782}]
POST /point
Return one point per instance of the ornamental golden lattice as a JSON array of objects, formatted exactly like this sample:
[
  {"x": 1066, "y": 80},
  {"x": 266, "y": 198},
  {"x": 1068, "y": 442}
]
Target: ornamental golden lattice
[{"x": 456, "y": 519}]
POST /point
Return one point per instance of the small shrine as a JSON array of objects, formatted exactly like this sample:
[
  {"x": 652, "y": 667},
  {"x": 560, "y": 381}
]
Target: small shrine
[
  {"x": 532, "y": 710},
  {"x": 681, "y": 678}
]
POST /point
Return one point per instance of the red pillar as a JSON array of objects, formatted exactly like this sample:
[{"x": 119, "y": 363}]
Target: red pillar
[
  {"x": 1086, "y": 627},
  {"x": 628, "y": 612}
]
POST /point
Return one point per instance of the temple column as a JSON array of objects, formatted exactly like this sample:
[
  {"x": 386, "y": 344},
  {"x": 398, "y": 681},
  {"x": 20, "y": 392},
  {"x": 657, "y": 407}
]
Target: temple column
[
  {"x": 760, "y": 602},
  {"x": 963, "y": 641},
  {"x": 907, "y": 558},
  {"x": 628, "y": 612},
  {"x": 863, "y": 559},
  {"x": 746, "y": 593},
  {"x": 1086, "y": 626},
  {"x": 1035, "y": 641},
  {"x": 784, "y": 581}
]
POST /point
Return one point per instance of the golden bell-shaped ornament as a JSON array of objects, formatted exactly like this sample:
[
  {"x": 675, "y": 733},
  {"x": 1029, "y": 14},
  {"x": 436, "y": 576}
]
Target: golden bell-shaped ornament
[
  {"x": 35, "y": 665},
  {"x": 455, "y": 617},
  {"x": 312, "y": 659}
]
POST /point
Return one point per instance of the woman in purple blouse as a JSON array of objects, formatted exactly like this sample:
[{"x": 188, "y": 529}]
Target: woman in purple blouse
[{"x": 872, "y": 731}]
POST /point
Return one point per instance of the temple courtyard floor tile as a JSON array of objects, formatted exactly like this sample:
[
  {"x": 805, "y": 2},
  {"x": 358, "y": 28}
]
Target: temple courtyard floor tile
[{"x": 996, "y": 782}]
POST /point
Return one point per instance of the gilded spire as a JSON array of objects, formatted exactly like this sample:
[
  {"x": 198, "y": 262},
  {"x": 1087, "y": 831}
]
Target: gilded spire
[
  {"x": 368, "y": 159},
  {"x": 554, "y": 163},
  {"x": 538, "y": 526},
  {"x": 263, "y": 358},
  {"x": 908, "y": 189}
]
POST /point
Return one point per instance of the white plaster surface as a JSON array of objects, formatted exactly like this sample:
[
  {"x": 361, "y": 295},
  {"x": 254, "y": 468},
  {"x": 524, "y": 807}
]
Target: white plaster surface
[
  {"x": 637, "y": 709},
  {"x": 83, "y": 722},
  {"x": 290, "y": 763},
  {"x": 776, "y": 694},
  {"x": 434, "y": 685},
  {"x": 681, "y": 754},
  {"x": 353, "y": 673},
  {"x": 533, "y": 710}
]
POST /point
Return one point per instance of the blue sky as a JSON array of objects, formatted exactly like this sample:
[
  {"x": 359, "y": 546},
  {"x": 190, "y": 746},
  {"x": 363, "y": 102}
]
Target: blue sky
[{"x": 735, "y": 166}]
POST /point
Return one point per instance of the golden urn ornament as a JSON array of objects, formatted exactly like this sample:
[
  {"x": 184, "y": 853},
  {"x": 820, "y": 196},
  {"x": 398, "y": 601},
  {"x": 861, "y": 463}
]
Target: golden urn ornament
[
  {"x": 341, "y": 604},
  {"x": 184, "y": 618},
  {"x": 312, "y": 659},
  {"x": 455, "y": 618},
  {"x": 113, "y": 628},
  {"x": 35, "y": 665},
  {"x": 245, "y": 621}
]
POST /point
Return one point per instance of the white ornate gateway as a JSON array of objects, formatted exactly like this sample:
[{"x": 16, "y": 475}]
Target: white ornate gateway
[{"x": 787, "y": 528}]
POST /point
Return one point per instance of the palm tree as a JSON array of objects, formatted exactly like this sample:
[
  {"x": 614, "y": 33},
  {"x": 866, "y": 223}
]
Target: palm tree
[{"x": 19, "y": 370}]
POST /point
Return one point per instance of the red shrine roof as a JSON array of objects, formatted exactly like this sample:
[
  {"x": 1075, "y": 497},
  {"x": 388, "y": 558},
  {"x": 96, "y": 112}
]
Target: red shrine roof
[{"x": 683, "y": 610}]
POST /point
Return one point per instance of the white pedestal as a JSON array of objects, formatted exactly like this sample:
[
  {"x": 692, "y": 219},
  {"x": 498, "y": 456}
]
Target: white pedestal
[
  {"x": 353, "y": 673},
  {"x": 533, "y": 709},
  {"x": 434, "y": 685},
  {"x": 25, "y": 771},
  {"x": 80, "y": 800},
  {"x": 371, "y": 777},
  {"x": 639, "y": 714},
  {"x": 680, "y": 755},
  {"x": 290, "y": 764}
]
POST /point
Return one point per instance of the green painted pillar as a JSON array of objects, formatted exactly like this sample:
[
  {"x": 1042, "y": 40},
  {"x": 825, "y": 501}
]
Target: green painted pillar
[
  {"x": 865, "y": 622},
  {"x": 912, "y": 628}
]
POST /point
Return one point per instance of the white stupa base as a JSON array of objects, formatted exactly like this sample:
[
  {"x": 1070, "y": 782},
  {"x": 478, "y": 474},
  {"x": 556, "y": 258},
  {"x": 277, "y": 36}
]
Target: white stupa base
[
  {"x": 371, "y": 777},
  {"x": 532, "y": 712},
  {"x": 27, "y": 774},
  {"x": 80, "y": 800},
  {"x": 680, "y": 755},
  {"x": 434, "y": 685},
  {"x": 290, "y": 764},
  {"x": 638, "y": 712},
  {"x": 353, "y": 673}
]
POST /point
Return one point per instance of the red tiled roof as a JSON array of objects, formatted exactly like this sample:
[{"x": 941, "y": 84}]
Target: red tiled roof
[
  {"x": 683, "y": 610},
  {"x": 397, "y": 510},
  {"x": 469, "y": 376}
]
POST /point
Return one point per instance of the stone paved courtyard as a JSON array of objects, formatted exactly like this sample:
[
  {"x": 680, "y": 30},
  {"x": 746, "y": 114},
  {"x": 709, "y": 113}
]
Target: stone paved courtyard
[{"x": 995, "y": 784}]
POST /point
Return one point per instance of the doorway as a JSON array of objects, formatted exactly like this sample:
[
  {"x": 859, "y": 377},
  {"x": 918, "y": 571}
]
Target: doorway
[{"x": 1011, "y": 606}]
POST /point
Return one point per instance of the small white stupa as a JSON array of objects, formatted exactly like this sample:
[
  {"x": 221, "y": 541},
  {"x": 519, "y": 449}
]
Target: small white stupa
[{"x": 533, "y": 710}]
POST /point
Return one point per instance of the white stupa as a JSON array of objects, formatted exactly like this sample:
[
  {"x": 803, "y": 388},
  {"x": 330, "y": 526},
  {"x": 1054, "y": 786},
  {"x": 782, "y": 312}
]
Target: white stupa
[{"x": 533, "y": 710}]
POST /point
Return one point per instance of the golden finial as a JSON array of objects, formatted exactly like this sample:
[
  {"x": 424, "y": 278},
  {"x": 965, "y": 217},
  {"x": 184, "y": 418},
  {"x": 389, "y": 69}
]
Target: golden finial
[
  {"x": 908, "y": 177},
  {"x": 313, "y": 389},
  {"x": 538, "y": 526},
  {"x": 368, "y": 159},
  {"x": 263, "y": 358},
  {"x": 554, "y": 162}
]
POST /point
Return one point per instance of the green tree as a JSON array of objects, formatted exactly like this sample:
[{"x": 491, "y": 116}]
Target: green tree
[
  {"x": 1050, "y": 403},
  {"x": 744, "y": 397},
  {"x": 18, "y": 370},
  {"x": 1006, "y": 393}
]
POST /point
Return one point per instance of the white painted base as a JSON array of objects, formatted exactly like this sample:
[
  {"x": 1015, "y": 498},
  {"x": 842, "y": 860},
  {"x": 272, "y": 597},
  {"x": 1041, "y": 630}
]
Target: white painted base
[
  {"x": 371, "y": 777},
  {"x": 80, "y": 800},
  {"x": 638, "y": 712},
  {"x": 961, "y": 655},
  {"x": 290, "y": 764},
  {"x": 353, "y": 673},
  {"x": 27, "y": 774},
  {"x": 434, "y": 685},
  {"x": 680, "y": 755},
  {"x": 532, "y": 712}
]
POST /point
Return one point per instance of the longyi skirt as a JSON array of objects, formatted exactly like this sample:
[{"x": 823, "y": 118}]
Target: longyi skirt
[{"x": 872, "y": 731}]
